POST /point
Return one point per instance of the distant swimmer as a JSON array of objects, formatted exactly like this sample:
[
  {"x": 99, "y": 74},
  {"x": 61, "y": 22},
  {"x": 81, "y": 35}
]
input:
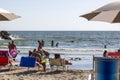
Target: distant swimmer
[
  {"x": 72, "y": 41},
  {"x": 105, "y": 46},
  {"x": 57, "y": 44}
]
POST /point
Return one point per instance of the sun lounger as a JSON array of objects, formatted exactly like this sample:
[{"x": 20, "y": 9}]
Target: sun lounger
[
  {"x": 113, "y": 54},
  {"x": 58, "y": 63},
  {"x": 4, "y": 53},
  {"x": 29, "y": 62},
  {"x": 6, "y": 60}
]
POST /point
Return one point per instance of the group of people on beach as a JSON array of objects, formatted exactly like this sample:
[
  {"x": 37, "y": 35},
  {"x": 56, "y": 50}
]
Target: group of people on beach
[{"x": 40, "y": 54}]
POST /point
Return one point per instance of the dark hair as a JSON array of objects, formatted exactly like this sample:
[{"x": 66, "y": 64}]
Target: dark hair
[
  {"x": 57, "y": 56},
  {"x": 104, "y": 54},
  {"x": 34, "y": 50}
]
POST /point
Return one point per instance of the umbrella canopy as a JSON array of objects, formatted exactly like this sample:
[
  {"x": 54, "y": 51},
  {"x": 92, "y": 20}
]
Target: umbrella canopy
[
  {"x": 7, "y": 16},
  {"x": 108, "y": 13}
]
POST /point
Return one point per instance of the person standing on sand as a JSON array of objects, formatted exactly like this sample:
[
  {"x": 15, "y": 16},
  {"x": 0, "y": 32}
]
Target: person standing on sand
[
  {"x": 40, "y": 59},
  {"x": 39, "y": 45},
  {"x": 12, "y": 49}
]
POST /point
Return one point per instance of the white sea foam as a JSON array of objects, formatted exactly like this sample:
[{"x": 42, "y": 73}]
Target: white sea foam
[
  {"x": 14, "y": 37},
  {"x": 68, "y": 51},
  {"x": 55, "y": 49}
]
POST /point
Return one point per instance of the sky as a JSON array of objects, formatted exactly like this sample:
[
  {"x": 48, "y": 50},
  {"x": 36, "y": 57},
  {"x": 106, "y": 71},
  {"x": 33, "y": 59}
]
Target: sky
[{"x": 54, "y": 15}]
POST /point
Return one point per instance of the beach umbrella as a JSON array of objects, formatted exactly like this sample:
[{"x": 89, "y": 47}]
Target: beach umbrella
[
  {"x": 7, "y": 16},
  {"x": 108, "y": 13}
]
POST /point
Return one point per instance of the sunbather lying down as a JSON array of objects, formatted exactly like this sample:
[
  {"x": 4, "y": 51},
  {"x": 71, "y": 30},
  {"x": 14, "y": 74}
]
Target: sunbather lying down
[{"x": 57, "y": 56}]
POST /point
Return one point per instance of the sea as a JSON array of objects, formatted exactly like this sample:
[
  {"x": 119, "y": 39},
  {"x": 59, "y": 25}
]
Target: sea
[{"x": 78, "y": 47}]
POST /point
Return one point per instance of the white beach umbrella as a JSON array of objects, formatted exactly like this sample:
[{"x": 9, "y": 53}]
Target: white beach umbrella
[
  {"x": 108, "y": 13},
  {"x": 7, "y": 16}
]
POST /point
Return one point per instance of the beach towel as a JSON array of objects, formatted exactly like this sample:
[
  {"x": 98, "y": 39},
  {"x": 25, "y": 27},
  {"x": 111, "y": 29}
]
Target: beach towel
[{"x": 13, "y": 53}]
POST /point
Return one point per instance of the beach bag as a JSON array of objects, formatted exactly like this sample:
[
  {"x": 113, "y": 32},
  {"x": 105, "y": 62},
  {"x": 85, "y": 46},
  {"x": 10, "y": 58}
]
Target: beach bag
[{"x": 13, "y": 53}]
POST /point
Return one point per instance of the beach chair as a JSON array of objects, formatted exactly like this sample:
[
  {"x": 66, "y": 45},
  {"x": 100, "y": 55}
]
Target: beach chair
[
  {"x": 29, "y": 62},
  {"x": 106, "y": 68},
  {"x": 58, "y": 63},
  {"x": 5, "y": 53},
  {"x": 6, "y": 60},
  {"x": 113, "y": 54}
]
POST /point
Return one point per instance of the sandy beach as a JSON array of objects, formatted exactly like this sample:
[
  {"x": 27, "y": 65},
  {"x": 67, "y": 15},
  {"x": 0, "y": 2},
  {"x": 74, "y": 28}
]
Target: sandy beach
[{"x": 22, "y": 73}]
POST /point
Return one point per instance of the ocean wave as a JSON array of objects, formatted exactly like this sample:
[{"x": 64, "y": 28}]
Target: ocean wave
[
  {"x": 63, "y": 50},
  {"x": 79, "y": 49},
  {"x": 15, "y": 37},
  {"x": 70, "y": 50}
]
